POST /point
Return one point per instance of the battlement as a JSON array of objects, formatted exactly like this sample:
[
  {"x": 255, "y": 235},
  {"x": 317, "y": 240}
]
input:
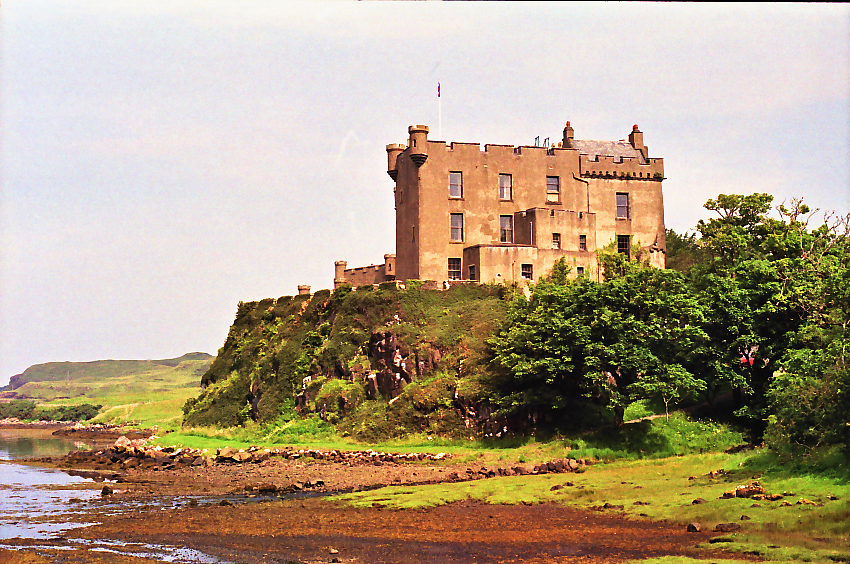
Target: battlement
[
  {"x": 363, "y": 275},
  {"x": 624, "y": 159},
  {"x": 621, "y": 167}
]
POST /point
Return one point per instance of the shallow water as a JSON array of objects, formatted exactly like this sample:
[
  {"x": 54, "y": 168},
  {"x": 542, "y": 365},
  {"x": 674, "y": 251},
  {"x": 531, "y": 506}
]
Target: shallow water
[
  {"x": 31, "y": 497},
  {"x": 40, "y": 505}
]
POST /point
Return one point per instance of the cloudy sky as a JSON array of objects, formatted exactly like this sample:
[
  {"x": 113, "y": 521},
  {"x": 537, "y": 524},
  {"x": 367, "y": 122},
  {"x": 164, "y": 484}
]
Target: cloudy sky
[{"x": 161, "y": 161}]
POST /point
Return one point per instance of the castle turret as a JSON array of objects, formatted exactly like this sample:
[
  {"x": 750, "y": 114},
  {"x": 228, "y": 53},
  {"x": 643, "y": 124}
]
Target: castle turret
[
  {"x": 303, "y": 290},
  {"x": 393, "y": 151},
  {"x": 569, "y": 135},
  {"x": 389, "y": 267},
  {"x": 418, "y": 143},
  {"x": 339, "y": 273},
  {"x": 636, "y": 139}
]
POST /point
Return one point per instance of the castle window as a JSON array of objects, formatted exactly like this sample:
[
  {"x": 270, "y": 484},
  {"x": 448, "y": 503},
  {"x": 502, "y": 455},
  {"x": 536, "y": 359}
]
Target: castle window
[
  {"x": 624, "y": 246},
  {"x": 553, "y": 189},
  {"x": 457, "y": 227},
  {"x": 580, "y": 270},
  {"x": 506, "y": 187},
  {"x": 582, "y": 242},
  {"x": 528, "y": 272},
  {"x": 472, "y": 272},
  {"x": 506, "y": 228},
  {"x": 556, "y": 240},
  {"x": 455, "y": 185},
  {"x": 622, "y": 205},
  {"x": 454, "y": 269}
]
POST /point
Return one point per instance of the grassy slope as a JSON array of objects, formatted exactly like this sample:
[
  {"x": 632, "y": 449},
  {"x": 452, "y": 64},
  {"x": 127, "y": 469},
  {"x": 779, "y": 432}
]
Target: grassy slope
[{"x": 139, "y": 391}]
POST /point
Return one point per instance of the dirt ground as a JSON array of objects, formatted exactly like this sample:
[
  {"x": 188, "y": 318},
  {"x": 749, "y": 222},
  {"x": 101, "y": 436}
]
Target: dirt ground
[{"x": 313, "y": 530}]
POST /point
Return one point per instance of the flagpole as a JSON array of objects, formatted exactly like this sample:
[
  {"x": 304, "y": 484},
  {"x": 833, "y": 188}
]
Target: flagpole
[{"x": 440, "y": 114}]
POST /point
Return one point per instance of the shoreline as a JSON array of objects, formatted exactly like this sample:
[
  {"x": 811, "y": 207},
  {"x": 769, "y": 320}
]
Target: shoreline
[{"x": 313, "y": 529}]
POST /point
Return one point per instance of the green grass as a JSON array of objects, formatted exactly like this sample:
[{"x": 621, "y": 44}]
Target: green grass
[{"x": 648, "y": 439}]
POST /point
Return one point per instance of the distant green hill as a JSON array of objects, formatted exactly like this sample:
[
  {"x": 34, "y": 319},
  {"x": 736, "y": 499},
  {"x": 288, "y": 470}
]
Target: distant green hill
[
  {"x": 95, "y": 370},
  {"x": 149, "y": 392}
]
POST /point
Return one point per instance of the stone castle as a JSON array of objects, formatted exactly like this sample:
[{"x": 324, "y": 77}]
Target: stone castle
[{"x": 507, "y": 214}]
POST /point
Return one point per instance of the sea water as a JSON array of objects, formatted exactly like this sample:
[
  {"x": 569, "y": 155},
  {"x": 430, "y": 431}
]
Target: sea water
[
  {"x": 43, "y": 504},
  {"x": 33, "y": 500}
]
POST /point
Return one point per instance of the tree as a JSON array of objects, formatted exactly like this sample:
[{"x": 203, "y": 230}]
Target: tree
[
  {"x": 773, "y": 287},
  {"x": 632, "y": 337}
]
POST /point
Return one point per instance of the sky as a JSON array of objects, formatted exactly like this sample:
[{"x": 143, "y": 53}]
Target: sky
[{"x": 161, "y": 161}]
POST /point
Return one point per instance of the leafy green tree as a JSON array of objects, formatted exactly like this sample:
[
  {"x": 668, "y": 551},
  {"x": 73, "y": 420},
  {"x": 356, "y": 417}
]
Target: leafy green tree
[
  {"x": 773, "y": 287},
  {"x": 632, "y": 337}
]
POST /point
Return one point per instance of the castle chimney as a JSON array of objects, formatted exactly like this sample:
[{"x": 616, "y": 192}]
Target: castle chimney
[
  {"x": 418, "y": 144},
  {"x": 636, "y": 139},
  {"x": 568, "y": 136},
  {"x": 393, "y": 151}
]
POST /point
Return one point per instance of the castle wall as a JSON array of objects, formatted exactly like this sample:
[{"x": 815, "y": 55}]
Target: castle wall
[
  {"x": 645, "y": 223},
  {"x": 586, "y": 203},
  {"x": 480, "y": 203},
  {"x": 363, "y": 275},
  {"x": 503, "y": 264}
]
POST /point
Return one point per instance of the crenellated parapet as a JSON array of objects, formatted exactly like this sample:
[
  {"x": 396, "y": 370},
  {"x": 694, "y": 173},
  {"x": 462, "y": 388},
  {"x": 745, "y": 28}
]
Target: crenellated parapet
[
  {"x": 623, "y": 168},
  {"x": 364, "y": 275}
]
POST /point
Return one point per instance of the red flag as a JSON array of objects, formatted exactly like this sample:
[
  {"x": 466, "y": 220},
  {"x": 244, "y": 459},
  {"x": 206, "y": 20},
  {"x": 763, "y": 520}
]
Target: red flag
[{"x": 438, "y": 90}]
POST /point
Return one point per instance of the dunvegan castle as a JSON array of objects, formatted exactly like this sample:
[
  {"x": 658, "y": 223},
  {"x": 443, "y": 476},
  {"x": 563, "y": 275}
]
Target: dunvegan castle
[{"x": 507, "y": 214}]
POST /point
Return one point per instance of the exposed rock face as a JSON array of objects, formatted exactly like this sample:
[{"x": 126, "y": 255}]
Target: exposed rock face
[{"x": 395, "y": 367}]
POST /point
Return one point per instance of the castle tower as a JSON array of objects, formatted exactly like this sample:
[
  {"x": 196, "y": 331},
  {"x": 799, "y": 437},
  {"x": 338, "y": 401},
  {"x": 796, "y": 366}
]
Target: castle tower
[
  {"x": 303, "y": 290},
  {"x": 339, "y": 273}
]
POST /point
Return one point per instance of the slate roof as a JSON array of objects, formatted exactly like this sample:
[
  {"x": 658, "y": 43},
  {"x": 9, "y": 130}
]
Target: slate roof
[{"x": 607, "y": 148}]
